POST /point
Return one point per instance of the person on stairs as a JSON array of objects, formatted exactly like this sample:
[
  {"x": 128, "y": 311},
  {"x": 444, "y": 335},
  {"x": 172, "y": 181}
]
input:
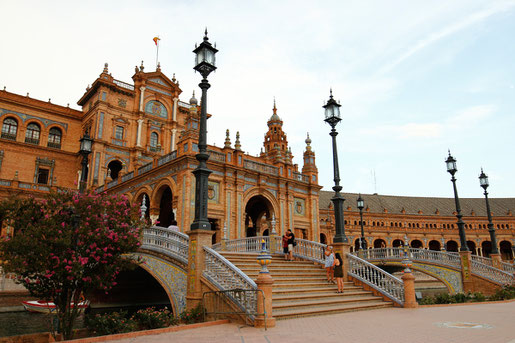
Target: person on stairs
[
  {"x": 285, "y": 246},
  {"x": 338, "y": 272},
  {"x": 291, "y": 244},
  {"x": 329, "y": 263}
]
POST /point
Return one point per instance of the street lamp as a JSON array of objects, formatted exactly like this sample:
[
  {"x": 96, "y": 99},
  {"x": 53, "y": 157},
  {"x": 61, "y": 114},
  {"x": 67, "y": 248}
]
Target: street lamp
[
  {"x": 483, "y": 182},
  {"x": 361, "y": 205},
  {"x": 204, "y": 64},
  {"x": 452, "y": 169},
  {"x": 85, "y": 149},
  {"x": 332, "y": 117}
]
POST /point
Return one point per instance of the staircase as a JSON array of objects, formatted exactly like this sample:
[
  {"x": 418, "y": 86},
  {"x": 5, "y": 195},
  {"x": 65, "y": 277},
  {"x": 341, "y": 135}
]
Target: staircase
[{"x": 300, "y": 288}]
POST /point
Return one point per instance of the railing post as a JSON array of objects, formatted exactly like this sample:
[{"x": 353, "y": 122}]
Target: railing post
[
  {"x": 343, "y": 249},
  {"x": 264, "y": 283},
  {"x": 466, "y": 276},
  {"x": 196, "y": 265},
  {"x": 496, "y": 260},
  {"x": 408, "y": 279}
]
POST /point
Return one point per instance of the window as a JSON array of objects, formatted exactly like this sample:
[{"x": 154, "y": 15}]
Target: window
[
  {"x": 104, "y": 96},
  {"x": 118, "y": 132},
  {"x": 43, "y": 176},
  {"x": 54, "y": 138},
  {"x": 153, "y": 139},
  {"x": 32, "y": 133},
  {"x": 9, "y": 129}
]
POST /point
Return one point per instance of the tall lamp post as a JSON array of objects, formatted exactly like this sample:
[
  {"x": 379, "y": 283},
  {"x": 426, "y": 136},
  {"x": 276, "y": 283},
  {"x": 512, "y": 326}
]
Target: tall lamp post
[
  {"x": 361, "y": 205},
  {"x": 86, "y": 143},
  {"x": 204, "y": 64},
  {"x": 332, "y": 117},
  {"x": 452, "y": 169},
  {"x": 483, "y": 182}
]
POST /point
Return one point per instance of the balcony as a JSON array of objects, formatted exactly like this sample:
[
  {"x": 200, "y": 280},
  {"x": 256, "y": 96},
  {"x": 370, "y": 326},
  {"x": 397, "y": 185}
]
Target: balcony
[
  {"x": 54, "y": 145},
  {"x": 10, "y": 136},
  {"x": 32, "y": 140}
]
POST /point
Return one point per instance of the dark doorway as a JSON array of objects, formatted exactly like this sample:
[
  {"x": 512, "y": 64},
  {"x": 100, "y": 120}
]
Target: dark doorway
[
  {"x": 323, "y": 239},
  {"x": 113, "y": 169},
  {"x": 472, "y": 247},
  {"x": 452, "y": 246},
  {"x": 258, "y": 212},
  {"x": 397, "y": 243},
  {"x": 165, "y": 208},
  {"x": 486, "y": 248},
  {"x": 506, "y": 250},
  {"x": 434, "y": 245},
  {"x": 215, "y": 228},
  {"x": 416, "y": 244},
  {"x": 379, "y": 243}
]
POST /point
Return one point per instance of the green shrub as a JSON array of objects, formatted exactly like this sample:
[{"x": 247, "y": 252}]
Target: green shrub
[
  {"x": 151, "y": 318},
  {"x": 195, "y": 315},
  {"x": 110, "y": 323},
  {"x": 428, "y": 300},
  {"x": 505, "y": 293},
  {"x": 460, "y": 297},
  {"x": 478, "y": 297},
  {"x": 444, "y": 298}
]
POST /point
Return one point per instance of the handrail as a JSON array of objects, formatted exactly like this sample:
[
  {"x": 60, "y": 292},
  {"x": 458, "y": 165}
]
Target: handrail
[
  {"x": 440, "y": 257},
  {"x": 309, "y": 250},
  {"x": 508, "y": 267},
  {"x": 248, "y": 244},
  {"x": 481, "y": 259},
  {"x": 225, "y": 275},
  {"x": 488, "y": 272},
  {"x": 378, "y": 279},
  {"x": 167, "y": 241}
]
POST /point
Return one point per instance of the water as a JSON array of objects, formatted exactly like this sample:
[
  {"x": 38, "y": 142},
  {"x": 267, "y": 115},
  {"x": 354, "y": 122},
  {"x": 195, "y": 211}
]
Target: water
[{"x": 23, "y": 322}]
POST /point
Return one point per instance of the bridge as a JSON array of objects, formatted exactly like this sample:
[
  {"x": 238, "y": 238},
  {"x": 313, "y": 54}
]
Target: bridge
[{"x": 165, "y": 253}]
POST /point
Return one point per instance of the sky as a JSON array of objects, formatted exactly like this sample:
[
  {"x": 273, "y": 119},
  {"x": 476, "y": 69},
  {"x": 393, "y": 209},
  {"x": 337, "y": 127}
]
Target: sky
[{"x": 414, "y": 78}]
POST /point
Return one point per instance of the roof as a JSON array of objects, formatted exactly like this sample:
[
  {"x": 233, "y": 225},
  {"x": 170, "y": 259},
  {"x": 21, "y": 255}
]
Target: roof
[{"x": 428, "y": 206}]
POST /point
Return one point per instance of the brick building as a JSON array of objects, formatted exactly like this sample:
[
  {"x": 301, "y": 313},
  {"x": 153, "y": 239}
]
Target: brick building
[{"x": 145, "y": 141}]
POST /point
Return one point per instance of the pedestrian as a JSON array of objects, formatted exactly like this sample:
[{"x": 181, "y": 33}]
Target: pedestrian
[
  {"x": 291, "y": 244},
  {"x": 329, "y": 263},
  {"x": 285, "y": 245},
  {"x": 173, "y": 226},
  {"x": 338, "y": 272}
]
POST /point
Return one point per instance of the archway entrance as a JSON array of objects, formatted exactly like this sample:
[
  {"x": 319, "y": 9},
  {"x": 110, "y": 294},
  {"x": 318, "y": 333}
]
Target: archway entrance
[
  {"x": 434, "y": 245},
  {"x": 323, "y": 238},
  {"x": 258, "y": 215},
  {"x": 486, "y": 248},
  {"x": 506, "y": 250},
  {"x": 379, "y": 243},
  {"x": 472, "y": 247},
  {"x": 416, "y": 244},
  {"x": 452, "y": 246},
  {"x": 166, "y": 214},
  {"x": 113, "y": 169},
  {"x": 397, "y": 243}
]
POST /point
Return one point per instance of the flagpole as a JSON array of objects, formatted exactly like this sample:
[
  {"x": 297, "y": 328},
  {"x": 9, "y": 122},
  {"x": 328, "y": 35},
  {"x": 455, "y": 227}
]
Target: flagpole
[{"x": 157, "y": 53}]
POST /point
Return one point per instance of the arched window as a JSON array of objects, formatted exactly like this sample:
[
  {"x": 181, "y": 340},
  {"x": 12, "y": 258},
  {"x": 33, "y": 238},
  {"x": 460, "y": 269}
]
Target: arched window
[
  {"x": 54, "y": 138},
  {"x": 154, "y": 139},
  {"x": 9, "y": 129},
  {"x": 32, "y": 133}
]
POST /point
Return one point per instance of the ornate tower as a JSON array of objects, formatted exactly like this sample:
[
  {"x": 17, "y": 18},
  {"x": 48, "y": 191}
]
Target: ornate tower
[
  {"x": 276, "y": 144},
  {"x": 309, "y": 167}
]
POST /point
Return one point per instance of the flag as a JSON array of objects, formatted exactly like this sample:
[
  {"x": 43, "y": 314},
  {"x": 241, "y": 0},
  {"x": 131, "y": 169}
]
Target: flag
[{"x": 156, "y": 39}]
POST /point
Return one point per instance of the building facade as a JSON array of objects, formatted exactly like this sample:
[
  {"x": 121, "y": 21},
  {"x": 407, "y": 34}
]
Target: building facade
[{"x": 145, "y": 142}]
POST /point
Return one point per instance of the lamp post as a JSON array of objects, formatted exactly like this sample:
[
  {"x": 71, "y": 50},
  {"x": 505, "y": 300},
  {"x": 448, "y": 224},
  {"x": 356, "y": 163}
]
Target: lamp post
[
  {"x": 85, "y": 149},
  {"x": 204, "y": 64},
  {"x": 332, "y": 117},
  {"x": 361, "y": 205},
  {"x": 452, "y": 169},
  {"x": 483, "y": 182}
]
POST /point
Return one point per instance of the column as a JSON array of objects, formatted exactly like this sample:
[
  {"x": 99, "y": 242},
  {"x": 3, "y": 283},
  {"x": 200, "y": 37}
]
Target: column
[
  {"x": 138, "y": 139},
  {"x": 172, "y": 147},
  {"x": 468, "y": 284},
  {"x": 141, "y": 97},
  {"x": 174, "y": 111}
]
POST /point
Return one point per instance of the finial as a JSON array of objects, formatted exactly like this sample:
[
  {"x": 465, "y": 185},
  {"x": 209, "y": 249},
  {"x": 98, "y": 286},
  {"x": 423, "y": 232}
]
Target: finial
[
  {"x": 49, "y": 99},
  {"x": 205, "y": 36},
  {"x": 227, "y": 143},
  {"x": 237, "y": 144},
  {"x": 331, "y": 92},
  {"x": 193, "y": 100},
  {"x": 87, "y": 88},
  {"x": 275, "y": 108},
  {"x": 105, "y": 68},
  {"x": 136, "y": 69},
  {"x": 141, "y": 67},
  {"x": 68, "y": 105},
  {"x": 308, "y": 142},
  {"x": 449, "y": 150},
  {"x": 158, "y": 66},
  {"x": 28, "y": 96},
  {"x": 4, "y": 88},
  {"x": 173, "y": 80}
]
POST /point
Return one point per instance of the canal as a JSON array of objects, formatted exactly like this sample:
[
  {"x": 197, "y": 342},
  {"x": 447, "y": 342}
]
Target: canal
[{"x": 23, "y": 322}]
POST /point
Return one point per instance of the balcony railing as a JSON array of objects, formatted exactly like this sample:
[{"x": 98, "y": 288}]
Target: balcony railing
[
  {"x": 167, "y": 158},
  {"x": 260, "y": 167},
  {"x": 32, "y": 140},
  {"x": 123, "y": 84},
  {"x": 54, "y": 145},
  {"x": 10, "y": 136}
]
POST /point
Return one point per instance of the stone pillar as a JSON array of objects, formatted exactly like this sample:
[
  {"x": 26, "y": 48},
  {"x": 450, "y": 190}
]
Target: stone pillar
[
  {"x": 496, "y": 260},
  {"x": 140, "y": 126},
  {"x": 466, "y": 277},
  {"x": 264, "y": 283},
  {"x": 174, "y": 110},
  {"x": 196, "y": 264},
  {"x": 410, "y": 300},
  {"x": 174, "y": 132},
  {"x": 343, "y": 249},
  {"x": 141, "y": 97}
]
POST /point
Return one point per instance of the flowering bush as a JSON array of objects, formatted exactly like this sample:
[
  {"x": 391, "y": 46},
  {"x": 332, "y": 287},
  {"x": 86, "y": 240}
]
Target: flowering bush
[
  {"x": 195, "y": 315},
  {"x": 151, "y": 318},
  {"x": 110, "y": 323},
  {"x": 68, "y": 244}
]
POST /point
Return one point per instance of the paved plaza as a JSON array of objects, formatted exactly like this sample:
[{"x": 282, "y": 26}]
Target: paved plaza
[{"x": 490, "y": 322}]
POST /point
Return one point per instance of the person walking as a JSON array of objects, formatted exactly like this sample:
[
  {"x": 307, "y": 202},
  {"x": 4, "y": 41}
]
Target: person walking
[
  {"x": 329, "y": 263},
  {"x": 338, "y": 272},
  {"x": 291, "y": 244}
]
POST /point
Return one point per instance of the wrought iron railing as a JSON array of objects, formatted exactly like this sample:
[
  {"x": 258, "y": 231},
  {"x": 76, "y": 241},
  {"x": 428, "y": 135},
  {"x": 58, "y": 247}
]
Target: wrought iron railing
[
  {"x": 432, "y": 256},
  {"x": 8, "y": 135},
  {"x": 167, "y": 241},
  {"x": 378, "y": 279},
  {"x": 225, "y": 275}
]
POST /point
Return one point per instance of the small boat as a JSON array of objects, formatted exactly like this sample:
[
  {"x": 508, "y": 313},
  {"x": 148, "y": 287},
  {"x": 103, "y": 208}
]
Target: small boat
[{"x": 43, "y": 306}]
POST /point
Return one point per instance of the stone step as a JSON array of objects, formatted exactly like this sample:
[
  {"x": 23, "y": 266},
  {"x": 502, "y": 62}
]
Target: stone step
[
  {"x": 341, "y": 299},
  {"x": 321, "y": 288},
  {"x": 318, "y": 295},
  {"x": 325, "y": 310}
]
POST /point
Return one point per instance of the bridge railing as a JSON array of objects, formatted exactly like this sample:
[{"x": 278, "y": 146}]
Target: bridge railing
[
  {"x": 226, "y": 276},
  {"x": 167, "y": 241},
  {"x": 508, "y": 267},
  {"x": 384, "y": 282},
  {"x": 496, "y": 275},
  {"x": 440, "y": 257},
  {"x": 249, "y": 244},
  {"x": 309, "y": 250}
]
